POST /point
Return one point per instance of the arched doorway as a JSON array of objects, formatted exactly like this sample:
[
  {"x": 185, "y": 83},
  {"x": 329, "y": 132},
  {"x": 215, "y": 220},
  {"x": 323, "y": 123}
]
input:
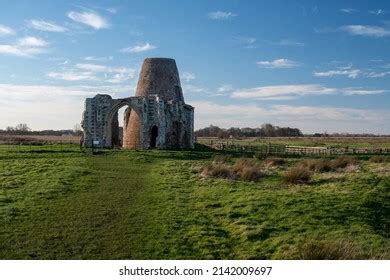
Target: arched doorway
[
  {"x": 125, "y": 134},
  {"x": 153, "y": 136}
]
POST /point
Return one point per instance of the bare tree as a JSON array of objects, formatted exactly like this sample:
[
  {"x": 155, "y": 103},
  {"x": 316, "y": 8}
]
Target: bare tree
[{"x": 22, "y": 127}]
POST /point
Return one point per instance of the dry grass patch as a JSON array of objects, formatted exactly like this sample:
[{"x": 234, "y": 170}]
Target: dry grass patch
[
  {"x": 296, "y": 175},
  {"x": 242, "y": 169},
  {"x": 331, "y": 250},
  {"x": 379, "y": 159},
  {"x": 327, "y": 165},
  {"x": 274, "y": 161}
]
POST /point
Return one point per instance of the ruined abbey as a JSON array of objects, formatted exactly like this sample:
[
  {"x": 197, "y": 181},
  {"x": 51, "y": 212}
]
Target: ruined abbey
[{"x": 156, "y": 117}]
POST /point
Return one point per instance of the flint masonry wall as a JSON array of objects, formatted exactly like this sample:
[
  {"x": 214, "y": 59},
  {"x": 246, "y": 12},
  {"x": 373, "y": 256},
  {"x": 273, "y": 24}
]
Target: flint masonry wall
[{"x": 158, "y": 106}]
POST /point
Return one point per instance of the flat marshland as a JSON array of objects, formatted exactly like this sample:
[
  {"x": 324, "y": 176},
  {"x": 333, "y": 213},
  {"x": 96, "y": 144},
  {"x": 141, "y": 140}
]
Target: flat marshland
[{"x": 58, "y": 202}]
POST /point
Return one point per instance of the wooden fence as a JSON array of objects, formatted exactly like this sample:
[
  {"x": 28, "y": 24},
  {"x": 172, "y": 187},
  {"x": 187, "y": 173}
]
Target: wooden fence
[{"x": 293, "y": 150}]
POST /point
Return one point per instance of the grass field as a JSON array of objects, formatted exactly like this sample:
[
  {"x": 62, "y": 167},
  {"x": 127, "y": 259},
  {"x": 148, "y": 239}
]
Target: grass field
[
  {"x": 57, "y": 202},
  {"x": 337, "y": 142}
]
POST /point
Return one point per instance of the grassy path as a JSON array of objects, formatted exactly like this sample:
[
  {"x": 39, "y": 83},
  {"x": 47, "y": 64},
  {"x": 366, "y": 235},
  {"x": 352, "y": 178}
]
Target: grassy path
[{"x": 80, "y": 207}]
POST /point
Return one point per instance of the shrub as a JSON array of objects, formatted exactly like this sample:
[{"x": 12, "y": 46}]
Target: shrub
[
  {"x": 242, "y": 169},
  {"x": 379, "y": 159},
  {"x": 318, "y": 165},
  {"x": 247, "y": 170},
  {"x": 326, "y": 165},
  {"x": 251, "y": 173},
  {"x": 217, "y": 170},
  {"x": 274, "y": 161},
  {"x": 342, "y": 162},
  {"x": 296, "y": 175}
]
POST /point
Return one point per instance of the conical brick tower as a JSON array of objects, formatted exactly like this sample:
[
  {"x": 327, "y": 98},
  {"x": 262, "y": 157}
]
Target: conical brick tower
[{"x": 158, "y": 76}]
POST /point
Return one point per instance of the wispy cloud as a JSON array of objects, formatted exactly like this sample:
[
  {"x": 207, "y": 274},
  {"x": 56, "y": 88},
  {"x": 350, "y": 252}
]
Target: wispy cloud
[
  {"x": 282, "y": 91},
  {"x": 112, "y": 10},
  {"x": 286, "y": 92},
  {"x": 72, "y": 76},
  {"x": 46, "y": 26},
  {"x": 378, "y": 12},
  {"x": 225, "y": 88},
  {"x": 139, "y": 48},
  {"x": 278, "y": 63},
  {"x": 94, "y": 72},
  {"x": 91, "y": 19},
  {"x": 246, "y": 42},
  {"x": 350, "y": 73},
  {"x": 5, "y": 30},
  {"x": 349, "y": 10},
  {"x": 360, "y": 91},
  {"x": 188, "y": 88},
  {"x": 289, "y": 43},
  {"x": 25, "y": 47},
  {"x": 220, "y": 15},
  {"x": 92, "y": 67},
  {"x": 188, "y": 76},
  {"x": 377, "y": 74},
  {"x": 367, "y": 30},
  {"x": 32, "y": 42},
  {"x": 95, "y": 58}
]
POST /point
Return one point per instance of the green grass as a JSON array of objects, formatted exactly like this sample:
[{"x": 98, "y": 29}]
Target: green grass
[
  {"x": 335, "y": 142},
  {"x": 61, "y": 203}
]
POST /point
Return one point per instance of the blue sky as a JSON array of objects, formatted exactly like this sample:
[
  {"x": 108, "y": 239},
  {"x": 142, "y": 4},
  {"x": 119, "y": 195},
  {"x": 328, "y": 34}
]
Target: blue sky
[{"x": 316, "y": 65}]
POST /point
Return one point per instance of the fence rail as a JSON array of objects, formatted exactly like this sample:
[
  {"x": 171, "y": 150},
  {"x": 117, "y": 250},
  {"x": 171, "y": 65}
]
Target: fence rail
[{"x": 293, "y": 150}]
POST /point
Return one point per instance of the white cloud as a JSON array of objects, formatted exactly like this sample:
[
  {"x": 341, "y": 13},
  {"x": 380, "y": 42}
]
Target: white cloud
[
  {"x": 72, "y": 76},
  {"x": 377, "y": 74},
  {"x": 282, "y": 91},
  {"x": 225, "y": 88},
  {"x": 349, "y": 10},
  {"x": 286, "y": 92},
  {"x": 92, "y": 67},
  {"x": 367, "y": 30},
  {"x": 307, "y": 118},
  {"x": 112, "y": 10},
  {"x": 278, "y": 63},
  {"x": 5, "y": 30},
  {"x": 25, "y": 47},
  {"x": 378, "y": 12},
  {"x": 91, "y": 72},
  {"x": 94, "y": 58},
  {"x": 139, "y": 48},
  {"x": 121, "y": 75},
  {"x": 187, "y": 88},
  {"x": 220, "y": 15},
  {"x": 359, "y": 91},
  {"x": 289, "y": 43},
  {"x": 46, "y": 26},
  {"x": 351, "y": 73},
  {"x": 91, "y": 19},
  {"x": 188, "y": 76},
  {"x": 246, "y": 42},
  {"x": 32, "y": 42}
]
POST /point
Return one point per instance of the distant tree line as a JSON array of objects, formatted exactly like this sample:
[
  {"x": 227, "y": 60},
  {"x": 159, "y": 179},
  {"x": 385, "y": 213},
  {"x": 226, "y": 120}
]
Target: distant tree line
[
  {"x": 266, "y": 130},
  {"x": 24, "y": 129}
]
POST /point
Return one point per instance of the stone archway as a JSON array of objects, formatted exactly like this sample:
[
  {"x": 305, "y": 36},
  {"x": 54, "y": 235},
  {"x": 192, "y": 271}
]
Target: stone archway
[{"x": 111, "y": 123}]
